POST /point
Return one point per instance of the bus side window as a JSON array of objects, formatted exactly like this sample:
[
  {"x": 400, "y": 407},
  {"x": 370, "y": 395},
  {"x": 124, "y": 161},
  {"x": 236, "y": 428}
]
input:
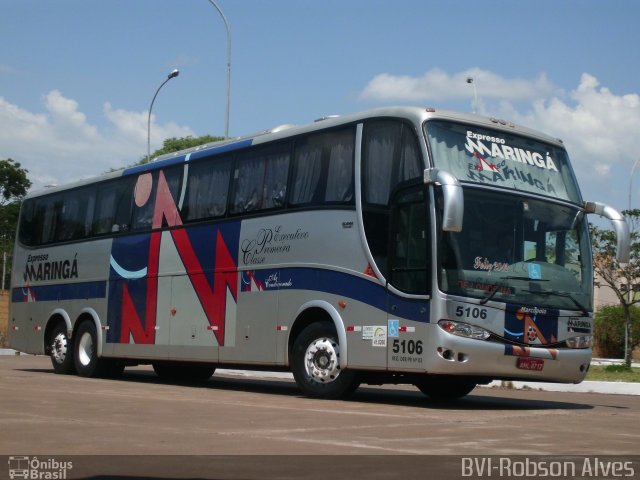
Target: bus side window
[
  {"x": 260, "y": 179},
  {"x": 391, "y": 156},
  {"x": 49, "y": 214},
  {"x": 339, "y": 185},
  {"x": 409, "y": 260},
  {"x": 113, "y": 207},
  {"x": 76, "y": 209},
  {"x": 247, "y": 180},
  {"x": 207, "y": 189},
  {"x": 323, "y": 169},
  {"x": 307, "y": 171},
  {"x": 28, "y": 227}
]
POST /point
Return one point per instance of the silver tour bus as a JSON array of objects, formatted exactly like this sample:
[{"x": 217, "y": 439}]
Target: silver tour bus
[{"x": 398, "y": 245}]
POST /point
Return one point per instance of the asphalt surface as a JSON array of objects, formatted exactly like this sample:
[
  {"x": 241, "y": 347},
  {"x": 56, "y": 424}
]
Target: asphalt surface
[{"x": 241, "y": 425}]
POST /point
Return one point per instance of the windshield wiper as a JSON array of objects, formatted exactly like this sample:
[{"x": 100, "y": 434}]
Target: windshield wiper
[
  {"x": 489, "y": 296},
  {"x": 568, "y": 295}
]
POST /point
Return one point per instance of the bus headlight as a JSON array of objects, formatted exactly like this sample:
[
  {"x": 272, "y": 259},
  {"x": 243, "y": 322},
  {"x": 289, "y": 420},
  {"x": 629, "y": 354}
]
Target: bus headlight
[
  {"x": 584, "y": 341},
  {"x": 463, "y": 329}
]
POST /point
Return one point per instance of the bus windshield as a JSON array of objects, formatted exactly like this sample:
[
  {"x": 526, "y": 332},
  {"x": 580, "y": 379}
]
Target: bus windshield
[
  {"x": 501, "y": 159},
  {"x": 518, "y": 250}
]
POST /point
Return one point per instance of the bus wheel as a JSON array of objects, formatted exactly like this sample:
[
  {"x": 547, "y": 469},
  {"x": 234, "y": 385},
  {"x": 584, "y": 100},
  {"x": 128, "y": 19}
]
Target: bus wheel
[
  {"x": 86, "y": 351},
  {"x": 444, "y": 387},
  {"x": 316, "y": 363},
  {"x": 61, "y": 350}
]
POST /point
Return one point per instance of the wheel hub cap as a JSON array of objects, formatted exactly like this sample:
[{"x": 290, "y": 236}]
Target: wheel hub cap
[
  {"x": 59, "y": 348},
  {"x": 85, "y": 350},
  {"x": 322, "y": 360}
]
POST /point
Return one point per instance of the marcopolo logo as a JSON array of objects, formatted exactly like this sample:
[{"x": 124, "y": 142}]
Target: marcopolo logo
[{"x": 37, "y": 468}]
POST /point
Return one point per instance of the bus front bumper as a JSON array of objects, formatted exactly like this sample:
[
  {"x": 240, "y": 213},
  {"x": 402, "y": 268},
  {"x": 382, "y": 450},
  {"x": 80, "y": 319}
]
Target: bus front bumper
[{"x": 453, "y": 355}]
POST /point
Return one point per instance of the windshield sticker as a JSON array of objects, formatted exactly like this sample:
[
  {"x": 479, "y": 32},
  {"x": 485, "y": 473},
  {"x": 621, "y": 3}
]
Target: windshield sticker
[
  {"x": 495, "y": 161},
  {"x": 535, "y": 272},
  {"x": 487, "y": 265},
  {"x": 499, "y": 149}
]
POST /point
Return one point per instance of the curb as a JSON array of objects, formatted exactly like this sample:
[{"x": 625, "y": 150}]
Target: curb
[{"x": 615, "y": 388}]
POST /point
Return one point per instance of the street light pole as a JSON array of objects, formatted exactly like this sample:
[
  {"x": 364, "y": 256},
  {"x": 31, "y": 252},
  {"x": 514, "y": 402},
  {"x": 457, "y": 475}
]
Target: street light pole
[
  {"x": 226, "y": 24},
  {"x": 627, "y": 324},
  {"x": 173, "y": 74},
  {"x": 475, "y": 94}
]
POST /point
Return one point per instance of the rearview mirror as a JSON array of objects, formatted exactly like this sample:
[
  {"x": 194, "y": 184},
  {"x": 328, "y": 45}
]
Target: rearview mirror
[
  {"x": 620, "y": 226},
  {"x": 453, "y": 199}
]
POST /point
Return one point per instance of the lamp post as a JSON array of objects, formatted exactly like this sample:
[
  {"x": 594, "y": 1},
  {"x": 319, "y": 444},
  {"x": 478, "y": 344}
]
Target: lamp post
[
  {"x": 173, "y": 74},
  {"x": 627, "y": 325},
  {"x": 475, "y": 94},
  {"x": 226, "y": 24}
]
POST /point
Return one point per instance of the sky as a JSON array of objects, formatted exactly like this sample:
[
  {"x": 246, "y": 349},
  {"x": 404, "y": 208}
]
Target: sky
[{"x": 77, "y": 76}]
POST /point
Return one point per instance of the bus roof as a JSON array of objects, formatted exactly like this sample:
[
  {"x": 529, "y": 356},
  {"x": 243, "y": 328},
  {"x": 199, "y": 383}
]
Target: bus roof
[{"x": 415, "y": 114}]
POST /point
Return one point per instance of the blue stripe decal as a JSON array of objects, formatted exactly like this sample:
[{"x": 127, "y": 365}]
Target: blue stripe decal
[
  {"x": 147, "y": 167},
  {"x": 62, "y": 291},
  {"x": 206, "y": 152},
  {"x": 229, "y": 147},
  {"x": 338, "y": 283}
]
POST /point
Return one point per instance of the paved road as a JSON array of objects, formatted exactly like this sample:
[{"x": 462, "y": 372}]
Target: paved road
[{"x": 42, "y": 413}]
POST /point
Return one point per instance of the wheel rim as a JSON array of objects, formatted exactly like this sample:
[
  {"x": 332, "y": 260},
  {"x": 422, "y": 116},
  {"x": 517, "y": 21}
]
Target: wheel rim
[
  {"x": 85, "y": 349},
  {"x": 321, "y": 360},
  {"x": 59, "y": 348}
]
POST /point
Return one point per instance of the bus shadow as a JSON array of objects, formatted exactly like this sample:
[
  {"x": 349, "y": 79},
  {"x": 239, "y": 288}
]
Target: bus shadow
[
  {"x": 487, "y": 399},
  {"x": 480, "y": 399}
]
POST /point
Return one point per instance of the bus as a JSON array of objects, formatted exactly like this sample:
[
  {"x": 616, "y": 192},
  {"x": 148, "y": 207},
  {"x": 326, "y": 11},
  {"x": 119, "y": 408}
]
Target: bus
[{"x": 398, "y": 245}]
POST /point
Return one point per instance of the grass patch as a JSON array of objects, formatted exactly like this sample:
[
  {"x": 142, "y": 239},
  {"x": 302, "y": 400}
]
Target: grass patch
[{"x": 613, "y": 373}]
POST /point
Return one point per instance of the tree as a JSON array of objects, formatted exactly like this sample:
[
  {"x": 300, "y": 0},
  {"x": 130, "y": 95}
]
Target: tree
[
  {"x": 621, "y": 278},
  {"x": 608, "y": 329},
  {"x": 173, "y": 144},
  {"x": 13, "y": 181},
  {"x": 14, "y": 185}
]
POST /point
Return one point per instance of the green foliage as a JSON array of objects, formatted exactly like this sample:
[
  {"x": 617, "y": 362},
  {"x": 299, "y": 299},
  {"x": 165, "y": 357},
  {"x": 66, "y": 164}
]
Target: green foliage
[
  {"x": 173, "y": 144},
  {"x": 13, "y": 181},
  {"x": 613, "y": 373},
  {"x": 617, "y": 369},
  {"x": 14, "y": 185},
  {"x": 609, "y": 323}
]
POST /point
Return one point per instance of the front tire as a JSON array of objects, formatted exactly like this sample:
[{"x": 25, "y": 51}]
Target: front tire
[
  {"x": 61, "y": 350},
  {"x": 315, "y": 363}
]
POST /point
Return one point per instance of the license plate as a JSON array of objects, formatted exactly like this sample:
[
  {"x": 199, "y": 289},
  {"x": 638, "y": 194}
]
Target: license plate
[{"x": 527, "y": 363}]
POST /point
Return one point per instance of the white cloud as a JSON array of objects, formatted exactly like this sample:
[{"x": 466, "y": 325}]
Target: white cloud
[
  {"x": 61, "y": 145},
  {"x": 599, "y": 128},
  {"x": 438, "y": 85}
]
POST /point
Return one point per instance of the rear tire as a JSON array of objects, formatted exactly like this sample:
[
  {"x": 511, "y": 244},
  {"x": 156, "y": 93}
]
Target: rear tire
[
  {"x": 61, "y": 353},
  {"x": 86, "y": 352},
  {"x": 315, "y": 363},
  {"x": 445, "y": 387}
]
